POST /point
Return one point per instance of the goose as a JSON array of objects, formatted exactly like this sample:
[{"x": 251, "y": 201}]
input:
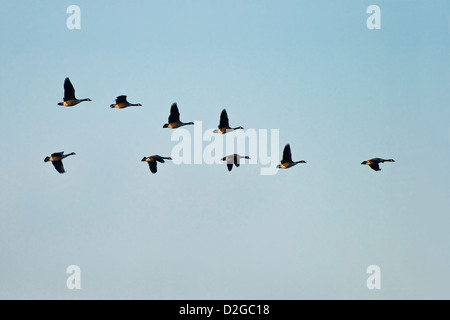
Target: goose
[
  {"x": 374, "y": 163},
  {"x": 69, "y": 99},
  {"x": 174, "y": 118},
  {"x": 152, "y": 161},
  {"x": 56, "y": 159},
  {"x": 224, "y": 126},
  {"x": 287, "y": 162},
  {"x": 233, "y": 158},
  {"x": 121, "y": 102}
]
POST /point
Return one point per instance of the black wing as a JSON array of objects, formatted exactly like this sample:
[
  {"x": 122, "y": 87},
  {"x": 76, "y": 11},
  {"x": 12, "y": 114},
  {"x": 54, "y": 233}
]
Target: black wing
[
  {"x": 121, "y": 99},
  {"x": 152, "y": 166},
  {"x": 236, "y": 160},
  {"x": 229, "y": 166},
  {"x": 57, "y": 154},
  {"x": 58, "y": 166},
  {"x": 287, "y": 157},
  {"x": 158, "y": 158},
  {"x": 375, "y": 166},
  {"x": 69, "y": 91},
  {"x": 174, "y": 114},
  {"x": 223, "y": 120}
]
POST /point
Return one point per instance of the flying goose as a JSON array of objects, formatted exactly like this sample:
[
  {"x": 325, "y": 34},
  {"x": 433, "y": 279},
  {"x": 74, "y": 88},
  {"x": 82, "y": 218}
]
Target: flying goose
[
  {"x": 374, "y": 163},
  {"x": 233, "y": 158},
  {"x": 56, "y": 159},
  {"x": 69, "y": 95},
  {"x": 174, "y": 118},
  {"x": 287, "y": 162},
  {"x": 152, "y": 161},
  {"x": 121, "y": 102},
  {"x": 224, "y": 126}
]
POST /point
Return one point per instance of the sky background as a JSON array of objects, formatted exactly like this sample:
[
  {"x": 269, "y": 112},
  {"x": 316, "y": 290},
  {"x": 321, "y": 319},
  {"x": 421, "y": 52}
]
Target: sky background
[{"x": 338, "y": 92}]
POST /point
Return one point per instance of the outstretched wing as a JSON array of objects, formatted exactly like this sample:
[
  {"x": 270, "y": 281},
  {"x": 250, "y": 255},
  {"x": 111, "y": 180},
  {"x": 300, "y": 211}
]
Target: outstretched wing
[
  {"x": 174, "y": 114},
  {"x": 158, "y": 158},
  {"x": 121, "y": 99},
  {"x": 223, "y": 119},
  {"x": 152, "y": 166},
  {"x": 375, "y": 166},
  {"x": 69, "y": 91},
  {"x": 57, "y": 154},
  {"x": 58, "y": 166},
  {"x": 229, "y": 166},
  {"x": 287, "y": 156}
]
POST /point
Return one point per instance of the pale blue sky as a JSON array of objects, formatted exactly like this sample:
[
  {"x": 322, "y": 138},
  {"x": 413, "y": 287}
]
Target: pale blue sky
[{"x": 338, "y": 92}]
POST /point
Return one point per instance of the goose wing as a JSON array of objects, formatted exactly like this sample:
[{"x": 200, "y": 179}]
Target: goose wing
[
  {"x": 287, "y": 156},
  {"x": 158, "y": 158},
  {"x": 152, "y": 166},
  {"x": 69, "y": 90},
  {"x": 224, "y": 120},
  {"x": 57, "y": 154},
  {"x": 236, "y": 160},
  {"x": 121, "y": 99},
  {"x": 58, "y": 166},
  {"x": 375, "y": 166},
  {"x": 229, "y": 166},
  {"x": 174, "y": 114}
]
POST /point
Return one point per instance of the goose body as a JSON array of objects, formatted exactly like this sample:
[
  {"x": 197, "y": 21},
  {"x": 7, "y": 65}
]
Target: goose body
[
  {"x": 69, "y": 99},
  {"x": 56, "y": 159},
  {"x": 152, "y": 161},
  {"x": 374, "y": 163},
  {"x": 233, "y": 158},
  {"x": 224, "y": 126},
  {"x": 174, "y": 119},
  {"x": 121, "y": 102},
  {"x": 287, "y": 162}
]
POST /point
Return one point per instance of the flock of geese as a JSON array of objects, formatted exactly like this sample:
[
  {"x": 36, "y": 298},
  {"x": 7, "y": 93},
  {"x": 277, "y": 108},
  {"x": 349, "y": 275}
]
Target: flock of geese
[{"x": 174, "y": 122}]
